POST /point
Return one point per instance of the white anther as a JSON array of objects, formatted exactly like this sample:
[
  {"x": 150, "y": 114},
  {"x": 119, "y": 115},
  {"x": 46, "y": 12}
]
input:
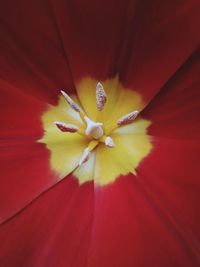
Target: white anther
[
  {"x": 109, "y": 142},
  {"x": 93, "y": 129},
  {"x": 101, "y": 97},
  {"x": 85, "y": 156},
  {"x": 128, "y": 118},
  {"x": 64, "y": 127},
  {"x": 70, "y": 101}
]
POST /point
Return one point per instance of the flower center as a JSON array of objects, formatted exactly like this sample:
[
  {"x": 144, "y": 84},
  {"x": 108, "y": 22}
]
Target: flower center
[
  {"x": 94, "y": 130},
  {"x": 95, "y": 135}
]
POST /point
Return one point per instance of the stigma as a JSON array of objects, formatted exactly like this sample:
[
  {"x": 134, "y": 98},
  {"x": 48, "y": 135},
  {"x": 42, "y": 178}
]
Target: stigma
[{"x": 94, "y": 129}]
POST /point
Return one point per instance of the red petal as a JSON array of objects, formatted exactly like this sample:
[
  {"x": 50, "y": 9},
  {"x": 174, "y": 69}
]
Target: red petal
[
  {"x": 52, "y": 231},
  {"x": 131, "y": 229},
  {"x": 170, "y": 176},
  {"x": 128, "y": 228},
  {"x": 145, "y": 42},
  {"x": 25, "y": 170},
  {"x": 175, "y": 111},
  {"x": 32, "y": 57},
  {"x": 164, "y": 35}
]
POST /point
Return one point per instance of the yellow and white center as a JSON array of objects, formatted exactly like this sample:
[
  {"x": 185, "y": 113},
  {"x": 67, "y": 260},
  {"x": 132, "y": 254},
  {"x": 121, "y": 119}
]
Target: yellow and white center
[{"x": 98, "y": 134}]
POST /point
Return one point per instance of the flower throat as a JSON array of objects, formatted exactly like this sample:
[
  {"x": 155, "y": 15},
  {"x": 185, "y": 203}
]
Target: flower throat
[{"x": 94, "y": 131}]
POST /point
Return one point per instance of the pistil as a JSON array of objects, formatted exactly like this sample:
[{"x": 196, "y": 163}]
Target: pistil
[{"x": 93, "y": 129}]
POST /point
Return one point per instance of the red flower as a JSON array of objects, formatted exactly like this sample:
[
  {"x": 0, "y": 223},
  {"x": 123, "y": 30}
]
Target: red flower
[{"x": 148, "y": 219}]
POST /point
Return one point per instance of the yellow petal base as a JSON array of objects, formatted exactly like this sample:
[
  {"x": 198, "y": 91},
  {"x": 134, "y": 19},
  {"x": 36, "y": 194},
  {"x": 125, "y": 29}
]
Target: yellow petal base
[{"x": 132, "y": 143}]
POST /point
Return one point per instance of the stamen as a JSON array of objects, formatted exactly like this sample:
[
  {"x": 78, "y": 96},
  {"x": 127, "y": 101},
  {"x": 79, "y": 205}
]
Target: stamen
[
  {"x": 128, "y": 118},
  {"x": 86, "y": 152},
  {"x": 64, "y": 127},
  {"x": 109, "y": 142},
  {"x": 71, "y": 102},
  {"x": 85, "y": 156},
  {"x": 73, "y": 105},
  {"x": 101, "y": 97}
]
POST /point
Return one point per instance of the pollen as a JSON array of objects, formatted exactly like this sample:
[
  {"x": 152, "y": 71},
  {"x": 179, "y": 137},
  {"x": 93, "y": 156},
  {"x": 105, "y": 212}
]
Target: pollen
[
  {"x": 109, "y": 142},
  {"x": 101, "y": 97},
  {"x": 128, "y": 118},
  {"x": 72, "y": 104},
  {"x": 64, "y": 127}
]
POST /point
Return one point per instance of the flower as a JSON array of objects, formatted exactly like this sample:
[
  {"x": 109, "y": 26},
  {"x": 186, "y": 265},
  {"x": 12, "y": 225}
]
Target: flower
[{"x": 147, "y": 219}]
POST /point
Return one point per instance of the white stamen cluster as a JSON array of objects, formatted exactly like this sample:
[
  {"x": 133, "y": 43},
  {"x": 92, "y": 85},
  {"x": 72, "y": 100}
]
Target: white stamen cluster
[{"x": 93, "y": 129}]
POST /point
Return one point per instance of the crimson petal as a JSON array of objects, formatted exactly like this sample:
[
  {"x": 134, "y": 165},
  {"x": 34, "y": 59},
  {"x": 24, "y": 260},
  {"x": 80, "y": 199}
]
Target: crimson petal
[
  {"x": 175, "y": 111},
  {"x": 53, "y": 231},
  {"x": 144, "y": 42},
  {"x": 22, "y": 158},
  {"x": 32, "y": 57}
]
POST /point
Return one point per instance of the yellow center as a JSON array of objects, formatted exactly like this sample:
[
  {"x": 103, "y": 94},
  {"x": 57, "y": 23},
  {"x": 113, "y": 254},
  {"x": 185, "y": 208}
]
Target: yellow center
[{"x": 104, "y": 164}]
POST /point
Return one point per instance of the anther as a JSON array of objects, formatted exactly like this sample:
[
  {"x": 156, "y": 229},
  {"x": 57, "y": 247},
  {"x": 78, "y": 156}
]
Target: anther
[
  {"x": 64, "y": 127},
  {"x": 128, "y": 118},
  {"x": 70, "y": 101},
  {"x": 101, "y": 97},
  {"x": 109, "y": 142},
  {"x": 86, "y": 152},
  {"x": 85, "y": 156}
]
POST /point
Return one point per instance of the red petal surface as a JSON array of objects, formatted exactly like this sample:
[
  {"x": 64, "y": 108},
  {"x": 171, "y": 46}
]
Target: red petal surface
[
  {"x": 127, "y": 224},
  {"x": 134, "y": 227},
  {"x": 53, "y": 231},
  {"x": 144, "y": 42},
  {"x": 32, "y": 56},
  {"x": 175, "y": 111},
  {"x": 170, "y": 175},
  {"x": 165, "y": 35},
  {"x": 23, "y": 160}
]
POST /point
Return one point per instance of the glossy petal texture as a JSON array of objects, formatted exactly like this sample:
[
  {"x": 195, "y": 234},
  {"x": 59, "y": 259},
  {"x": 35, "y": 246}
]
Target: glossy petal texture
[{"x": 149, "y": 221}]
